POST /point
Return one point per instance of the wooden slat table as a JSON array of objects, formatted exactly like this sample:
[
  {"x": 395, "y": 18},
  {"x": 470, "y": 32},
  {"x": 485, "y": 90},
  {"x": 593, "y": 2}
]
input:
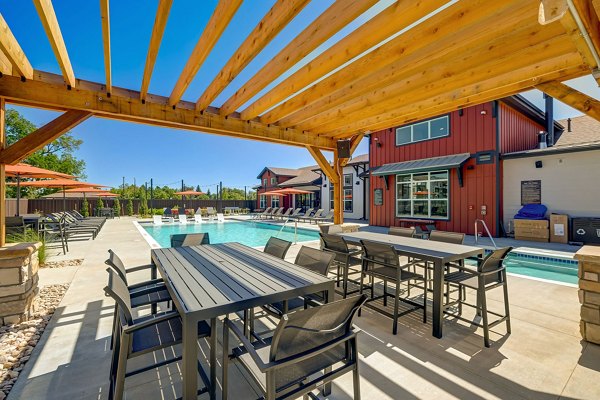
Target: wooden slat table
[
  {"x": 438, "y": 253},
  {"x": 209, "y": 281}
]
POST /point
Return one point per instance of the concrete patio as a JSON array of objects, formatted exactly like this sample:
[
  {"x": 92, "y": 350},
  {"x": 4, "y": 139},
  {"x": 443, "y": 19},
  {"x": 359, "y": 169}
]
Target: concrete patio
[{"x": 543, "y": 358}]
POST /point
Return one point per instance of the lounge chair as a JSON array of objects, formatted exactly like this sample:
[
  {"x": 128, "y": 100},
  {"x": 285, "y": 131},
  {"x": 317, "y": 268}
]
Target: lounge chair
[
  {"x": 271, "y": 213},
  {"x": 259, "y": 215},
  {"x": 198, "y": 218},
  {"x": 324, "y": 218},
  {"x": 54, "y": 230},
  {"x": 317, "y": 214},
  {"x": 277, "y": 214},
  {"x": 140, "y": 336},
  {"x": 286, "y": 214},
  {"x": 306, "y": 214},
  {"x": 295, "y": 213},
  {"x": 220, "y": 217},
  {"x": 308, "y": 348},
  {"x": 157, "y": 219},
  {"x": 211, "y": 213},
  {"x": 182, "y": 219},
  {"x": 73, "y": 229}
]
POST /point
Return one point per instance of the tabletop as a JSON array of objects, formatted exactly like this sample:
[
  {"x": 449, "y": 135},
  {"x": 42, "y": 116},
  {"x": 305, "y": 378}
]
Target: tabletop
[
  {"x": 213, "y": 280},
  {"x": 419, "y": 248}
]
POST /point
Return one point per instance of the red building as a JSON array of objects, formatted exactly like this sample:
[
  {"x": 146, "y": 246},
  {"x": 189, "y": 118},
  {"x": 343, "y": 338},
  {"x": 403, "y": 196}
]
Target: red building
[
  {"x": 448, "y": 168},
  {"x": 272, "y": 178}
]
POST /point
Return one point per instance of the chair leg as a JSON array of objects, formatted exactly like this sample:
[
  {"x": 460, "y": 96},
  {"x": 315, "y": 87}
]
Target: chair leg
[
  {"x": 425, "y": 283},
  {"x": 356, "y": 381},
  {"x": 506, "y": 305},
  {"x": 486, "y": 330},
  {"x": 396, "y": 301},
  {"x": 462, "y": 294},
  {"x": 345, "y": 279},
  {"x": 385, "y": 292},
  {"x": 360, "y": 290},
  {"x": 121, "y": 368}
]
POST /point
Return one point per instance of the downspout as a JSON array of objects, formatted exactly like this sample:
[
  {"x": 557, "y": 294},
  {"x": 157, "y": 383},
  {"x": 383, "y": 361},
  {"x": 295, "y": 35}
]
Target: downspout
[{"x": 496, "y": 114}]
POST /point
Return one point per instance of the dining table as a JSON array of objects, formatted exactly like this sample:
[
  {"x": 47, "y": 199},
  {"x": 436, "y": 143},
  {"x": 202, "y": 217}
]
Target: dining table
[
  {"x": 437, "y": 253},
  {"x": 210, "y": 281}
]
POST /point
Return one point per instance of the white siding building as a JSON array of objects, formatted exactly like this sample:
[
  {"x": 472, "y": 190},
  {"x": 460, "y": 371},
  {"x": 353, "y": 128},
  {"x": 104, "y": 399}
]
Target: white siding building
[{"x": 356, "y": 189}]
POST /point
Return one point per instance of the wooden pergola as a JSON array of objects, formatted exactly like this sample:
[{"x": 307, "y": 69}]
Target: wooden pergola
[{"x": 411, "y": 61}]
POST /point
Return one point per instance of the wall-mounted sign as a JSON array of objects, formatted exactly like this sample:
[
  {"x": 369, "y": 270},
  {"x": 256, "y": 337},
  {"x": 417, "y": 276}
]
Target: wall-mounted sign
[
  {"x": 378, "y": 197},
  {"x": 531, "y": 192}
]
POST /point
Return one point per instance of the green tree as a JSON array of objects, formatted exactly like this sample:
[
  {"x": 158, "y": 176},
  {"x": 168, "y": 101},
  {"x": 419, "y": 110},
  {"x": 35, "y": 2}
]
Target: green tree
[
  {"x": 129, "y": 208},
  {"x": 55, "y": 156},
  {"x": 85, "y": 208},
  {"x": 143, "y": 208},
  {"x": 117, "y": 207},
  {"x": 99, "y": 203}
]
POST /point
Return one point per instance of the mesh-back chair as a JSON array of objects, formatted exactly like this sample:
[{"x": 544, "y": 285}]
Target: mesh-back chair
[
  {"x": 138, "y": 336},
  {"x": 189, "y": 239},
  {"x": 315, "y": 260},
  {"x": 447, "y": 237},
  {"x": 277, "y": 247},
  {"x": 490, "y": 274},
  {"x": 346, "y": 257},
  {"x": 401, "y": 231},
  {"x": 331, "y": 229},
  {"x": 303, "y": 351},
  {"x": 381, "y": 261}
]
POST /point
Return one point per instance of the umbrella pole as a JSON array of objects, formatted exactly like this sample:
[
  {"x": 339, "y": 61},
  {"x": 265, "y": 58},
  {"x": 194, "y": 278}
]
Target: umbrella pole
[
  {"x": 18, "y": 193},
  {"x": 64, "y": 200}
]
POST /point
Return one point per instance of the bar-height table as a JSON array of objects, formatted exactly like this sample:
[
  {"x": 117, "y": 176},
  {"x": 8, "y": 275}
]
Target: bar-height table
[
  {"x": 438, "y": 253},
  {"x": 209, "y": 281}
]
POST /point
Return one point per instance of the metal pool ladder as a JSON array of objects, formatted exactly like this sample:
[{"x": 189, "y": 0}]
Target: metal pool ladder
[
  {"x": 477, "y": 221},
  {"x": 295, "y": 229}
]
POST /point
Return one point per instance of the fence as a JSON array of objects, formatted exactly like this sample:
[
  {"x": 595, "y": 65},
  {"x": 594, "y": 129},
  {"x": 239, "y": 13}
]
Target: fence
[{"x": 46, "y": 206}]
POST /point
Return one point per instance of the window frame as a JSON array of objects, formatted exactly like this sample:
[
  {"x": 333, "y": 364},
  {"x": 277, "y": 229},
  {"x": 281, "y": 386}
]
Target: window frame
[
  {"x": 429, "y": 199},
  {"x": 265, "y": 182},
  {"x": 274, "y": 199},
  {"x": 263, "y": 202},
  {"x": 428, "y": 121},
  {"x": 273, "y": 180}
]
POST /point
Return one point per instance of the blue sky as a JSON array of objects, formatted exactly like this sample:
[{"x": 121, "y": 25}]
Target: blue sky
[{"x": 114, "y": 149}]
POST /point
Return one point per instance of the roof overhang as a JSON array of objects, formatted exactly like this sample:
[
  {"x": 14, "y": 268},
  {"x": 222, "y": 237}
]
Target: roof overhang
[{"x": 422, "y": 165}]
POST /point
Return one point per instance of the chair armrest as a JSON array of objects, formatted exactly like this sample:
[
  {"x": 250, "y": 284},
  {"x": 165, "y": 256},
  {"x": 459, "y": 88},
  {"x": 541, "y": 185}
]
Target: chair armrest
[
  {"x": 141, "y": 325},
  {"x": 157, "y": 282},
  {"x": 142, "y": 292},
  {"x": 227, "y": 324},
  {"x": 492, "y": 272},
  {"x": 139, "y": 268}
]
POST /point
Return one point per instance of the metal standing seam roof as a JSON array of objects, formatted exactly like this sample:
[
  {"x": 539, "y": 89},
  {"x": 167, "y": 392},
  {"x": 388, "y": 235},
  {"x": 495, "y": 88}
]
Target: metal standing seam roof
[{"x": 425, "y": 164}]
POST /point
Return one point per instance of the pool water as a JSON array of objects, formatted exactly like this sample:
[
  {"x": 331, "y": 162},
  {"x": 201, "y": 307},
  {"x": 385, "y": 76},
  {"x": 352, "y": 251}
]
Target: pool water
[
  {"x": 540, "y": 267},
  {"x": 249, "y": 233}
]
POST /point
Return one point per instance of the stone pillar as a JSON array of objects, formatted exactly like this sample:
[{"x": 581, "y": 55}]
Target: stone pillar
[
  {"x": 19, "y": 266},
  {"x": 589, "y": 292}
]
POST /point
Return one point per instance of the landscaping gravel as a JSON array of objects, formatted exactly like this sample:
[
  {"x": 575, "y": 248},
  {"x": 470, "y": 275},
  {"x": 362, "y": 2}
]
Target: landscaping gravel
[{"x": 17, "y": 341}]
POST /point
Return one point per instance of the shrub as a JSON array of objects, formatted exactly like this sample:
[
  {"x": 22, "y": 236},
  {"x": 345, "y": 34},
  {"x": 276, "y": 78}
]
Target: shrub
[
  {"x": 129, "y": 208},
  {"x": 117, "y": 208},
  {"x": 158, "y": 211},
  {"x": 85, "y": 208},
  {"x": 143, "y": 208},
  {"x": 30, "y": 235},
  {"x": 99, "y": 203}
]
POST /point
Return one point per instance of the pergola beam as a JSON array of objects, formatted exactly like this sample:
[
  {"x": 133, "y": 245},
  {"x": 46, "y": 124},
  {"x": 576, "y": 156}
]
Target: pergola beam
[
  {"x": 323, "y": 163},
  {"x": 158, "y": 30},
  {"x": 276, "y": 19},
  {"x": 336, "y": 17},
  {"x": 571, "y": 97},
  {"x": 5, "y": 65},
  {"x": 2, "y": 174},
  {"x": 388, "y": 22},
  {"x": 455, "y": 31},
  {"x": 13, "y": 52},
  {"x": 42, "y": 136},
  {"x": 48, "y": 17},
  {"x": 105, "y": 17},
  {"x": 46, "y": 91},
  {"x": 219, "y": 20}
]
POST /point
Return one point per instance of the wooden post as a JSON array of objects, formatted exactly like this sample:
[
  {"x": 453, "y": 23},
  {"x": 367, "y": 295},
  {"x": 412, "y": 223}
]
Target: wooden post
[
  {"x": 338, "y": 190},
  {"x": 2, "y": 176}
]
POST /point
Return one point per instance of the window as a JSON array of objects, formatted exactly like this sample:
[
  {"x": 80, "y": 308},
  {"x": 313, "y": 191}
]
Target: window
[
  {"x": 430, "y": 129},
  {"x": 274, "y": 201},
  {"x": 348, "y": 194},
  {"x": 348, "y": 200},
  {"x": 423, "y": 194},
  {"x": 273, "y": 181},
  {"x": 265, "y": 182},
  {"x": 263, "y": 202},
  {"x": 331, "y": 198},
  {"x": 348, "y": 180}
]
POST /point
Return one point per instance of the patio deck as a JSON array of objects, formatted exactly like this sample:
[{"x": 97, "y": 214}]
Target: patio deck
[{"x": 544, "y": 357}]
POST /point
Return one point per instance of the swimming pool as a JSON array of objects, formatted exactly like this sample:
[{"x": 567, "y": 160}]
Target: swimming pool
[
  {"x": 540, "y": 267},
  {"x": 249, "y": 233}
]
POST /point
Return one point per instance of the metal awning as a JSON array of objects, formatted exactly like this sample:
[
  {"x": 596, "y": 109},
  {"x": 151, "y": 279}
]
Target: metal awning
[{"x": 422, "y": 165}]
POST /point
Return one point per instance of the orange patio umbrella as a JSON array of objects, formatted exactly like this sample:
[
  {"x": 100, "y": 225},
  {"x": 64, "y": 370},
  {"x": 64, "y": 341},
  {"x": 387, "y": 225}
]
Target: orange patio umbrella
[
  {"x": 22, "y": 170},
  {"x": 189, "y": 193},
  {"x": 290, "y": 191},
  {"x": 62, "y": 183}
]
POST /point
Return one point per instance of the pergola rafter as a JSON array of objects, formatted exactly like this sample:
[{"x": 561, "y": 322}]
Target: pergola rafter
[{"x": 413, "y": 60}]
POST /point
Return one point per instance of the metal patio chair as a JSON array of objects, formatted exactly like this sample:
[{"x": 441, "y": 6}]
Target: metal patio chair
[
  {"x": 401, "y": 231},
  {"x": 346, "y": 257},
  {"x": 382, "y": 261},
  {"x": 302, "y": 353},
  {"x": 490, "y": 274},
  {"x": 317, "y": 261},
  {"x": 189, "y": 239},
  {"x": 277, "y": 247},
  {"x": 136, "y": 337}
]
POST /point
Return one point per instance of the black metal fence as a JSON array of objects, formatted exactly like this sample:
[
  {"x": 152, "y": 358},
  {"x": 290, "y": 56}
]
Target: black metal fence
[{"x": 45, "y": 206}]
